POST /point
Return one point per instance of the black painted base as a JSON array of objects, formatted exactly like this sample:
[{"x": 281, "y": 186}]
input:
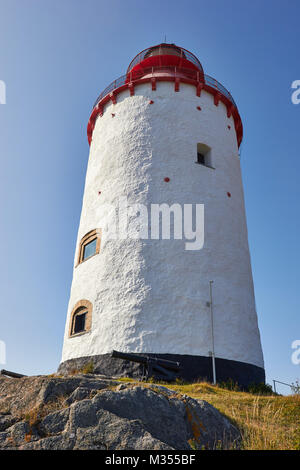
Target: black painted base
[{"x": 192, "y": 368}]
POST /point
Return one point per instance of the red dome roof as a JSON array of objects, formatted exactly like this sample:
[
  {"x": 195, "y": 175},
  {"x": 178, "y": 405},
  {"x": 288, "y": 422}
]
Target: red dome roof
[{"x": 164, "y": 55}]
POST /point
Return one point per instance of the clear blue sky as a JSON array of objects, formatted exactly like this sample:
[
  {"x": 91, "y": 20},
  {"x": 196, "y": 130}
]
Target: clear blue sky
[{"x": 56, "y": 56}]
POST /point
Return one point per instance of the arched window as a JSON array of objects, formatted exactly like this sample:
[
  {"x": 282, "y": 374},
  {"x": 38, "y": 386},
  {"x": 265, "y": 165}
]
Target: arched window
[
  {"x": 81, "y": 318},
  {"x": 89, "y": 245}
]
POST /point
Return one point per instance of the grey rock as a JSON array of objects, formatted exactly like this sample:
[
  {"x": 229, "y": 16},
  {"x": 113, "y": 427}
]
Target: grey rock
[
  {"x": 121, "y": 387},
  {"x": 164, "y": 419},
  {"x": 83, "y": 414},
  {"x": 61, "y": 442},
  {"x": 79, "y": 394},
  {"x": 86, "y": 392},
  {"x": 102, "y": 414},
  {"x": 3, "y": 439},
  {"x": 59, "y": 387},
  {"x": 54, "y": 422},
  {"x": 19, "y": 434},
  {"x": 115, "y": 433},
  {"x": 19, "y": 431},
  {"x": 6, "y": 421}
]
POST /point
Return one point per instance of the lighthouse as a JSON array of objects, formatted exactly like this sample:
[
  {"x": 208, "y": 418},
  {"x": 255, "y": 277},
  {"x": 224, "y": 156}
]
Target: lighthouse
[{"x": 164, "y": 149}]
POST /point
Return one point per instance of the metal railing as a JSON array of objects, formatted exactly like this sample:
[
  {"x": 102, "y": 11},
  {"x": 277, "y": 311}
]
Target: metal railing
[
  {"x": 181, "y": 53},
  {"x": 195, "y": 75},
  {"x": 295, "y": 388}
]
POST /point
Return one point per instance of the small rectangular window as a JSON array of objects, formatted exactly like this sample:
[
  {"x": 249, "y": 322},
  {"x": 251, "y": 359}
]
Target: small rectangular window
[
  {"x": 204, "y": 155},
  {"x": 79, "y": 323},
  {"x": 90, "y": 249},
  {"x": 200, "y": 158}
]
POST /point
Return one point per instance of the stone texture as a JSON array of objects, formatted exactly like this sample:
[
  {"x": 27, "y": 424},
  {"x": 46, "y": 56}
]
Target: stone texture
[
  {"x": 17, "y": 395},
  {"x": 54, "y": 422},
  {"x": 97, "y": 413},
  {"x": 6, "y": 421}
]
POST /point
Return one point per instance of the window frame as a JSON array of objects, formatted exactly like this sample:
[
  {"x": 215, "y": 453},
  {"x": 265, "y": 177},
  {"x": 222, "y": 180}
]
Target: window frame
[
  {"x": 86, "y": 239},
  {"x": 206, "y": 152},
  {"x": 81, "y": 307}
]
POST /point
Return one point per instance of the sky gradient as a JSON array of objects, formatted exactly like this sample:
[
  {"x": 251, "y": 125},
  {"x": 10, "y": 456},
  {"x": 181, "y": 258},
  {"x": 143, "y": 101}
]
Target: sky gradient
[{"x": 55, "y": 58}]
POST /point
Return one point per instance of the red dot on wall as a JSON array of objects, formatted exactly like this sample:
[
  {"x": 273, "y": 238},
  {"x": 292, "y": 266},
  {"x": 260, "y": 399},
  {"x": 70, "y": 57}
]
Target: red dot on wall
[
  {"x": 99, "y": 192},
  {"x": 166, "y": 179},
  {"x": 199, "y": 108},
  {"x": 229, "y": 194},
  {"x": 229, "y": 127},
  {"x": 151, "y": 102},
  {"x": 112, "y": 115}
]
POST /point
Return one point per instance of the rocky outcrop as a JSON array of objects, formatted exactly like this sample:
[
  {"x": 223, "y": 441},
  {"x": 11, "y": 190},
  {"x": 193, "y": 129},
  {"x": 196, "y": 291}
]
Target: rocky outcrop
[{"x": 94, "y": 412}]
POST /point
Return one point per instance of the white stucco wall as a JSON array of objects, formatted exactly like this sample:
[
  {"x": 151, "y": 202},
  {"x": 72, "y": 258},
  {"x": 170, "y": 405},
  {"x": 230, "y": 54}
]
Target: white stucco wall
[{"x": 151, "y": 295}]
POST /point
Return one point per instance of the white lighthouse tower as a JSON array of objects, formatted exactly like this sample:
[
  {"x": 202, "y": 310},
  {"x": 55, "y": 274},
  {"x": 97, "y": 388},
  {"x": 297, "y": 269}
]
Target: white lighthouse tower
[{"x": 164, "y": 141}]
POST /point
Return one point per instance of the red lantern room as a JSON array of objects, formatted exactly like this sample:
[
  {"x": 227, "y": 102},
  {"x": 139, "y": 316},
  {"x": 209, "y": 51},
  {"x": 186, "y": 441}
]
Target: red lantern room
[
  {"x": 162, "y": 58},
  {"x": 166, "y": 62}
]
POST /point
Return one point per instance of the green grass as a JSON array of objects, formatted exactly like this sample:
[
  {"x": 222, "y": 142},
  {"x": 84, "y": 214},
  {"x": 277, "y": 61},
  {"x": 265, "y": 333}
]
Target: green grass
[{"x": 266, "y": 422}]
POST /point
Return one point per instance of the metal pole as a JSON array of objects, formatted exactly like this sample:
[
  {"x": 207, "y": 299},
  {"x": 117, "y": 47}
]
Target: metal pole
[
  {"x": 212, "y": 335},
  {"x": 274, "y": 385}
]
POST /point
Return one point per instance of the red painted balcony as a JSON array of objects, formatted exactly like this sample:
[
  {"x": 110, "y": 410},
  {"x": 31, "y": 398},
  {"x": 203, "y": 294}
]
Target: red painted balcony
[{"x": 166, "y": 62}]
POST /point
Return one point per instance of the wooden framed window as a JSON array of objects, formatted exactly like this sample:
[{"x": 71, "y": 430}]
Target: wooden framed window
[
  {"x": 81, "y": 318},
  {"x": 89, "y": 245}
]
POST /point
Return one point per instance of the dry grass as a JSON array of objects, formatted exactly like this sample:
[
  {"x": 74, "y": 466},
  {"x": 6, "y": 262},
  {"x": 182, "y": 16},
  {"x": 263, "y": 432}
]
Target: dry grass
[
  {"x": 126, "y": 379},
  {"x": 33, "y": 416},
  {"x": 87, "y": 369},
  {"x": 266, "y": 422}
]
